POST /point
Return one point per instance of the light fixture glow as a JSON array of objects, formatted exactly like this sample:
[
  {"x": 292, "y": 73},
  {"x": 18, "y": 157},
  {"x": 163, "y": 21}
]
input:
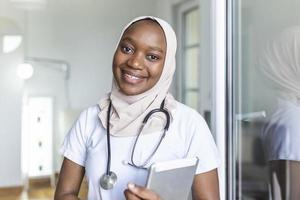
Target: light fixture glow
[
  {"x": 11, "y": 43},
  {"x": 25, "y": 71}
]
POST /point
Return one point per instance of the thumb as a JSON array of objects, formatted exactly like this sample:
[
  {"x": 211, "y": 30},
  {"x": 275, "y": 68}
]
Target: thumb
[
  {"x": 142, "y": 192},
  {"x": 133, "y": 188}
]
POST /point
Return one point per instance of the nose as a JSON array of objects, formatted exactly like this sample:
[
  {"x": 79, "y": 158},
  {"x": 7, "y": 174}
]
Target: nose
[{"x": 136, "y": 61}]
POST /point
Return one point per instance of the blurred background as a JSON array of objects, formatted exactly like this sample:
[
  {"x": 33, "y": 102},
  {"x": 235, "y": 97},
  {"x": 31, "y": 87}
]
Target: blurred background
[{"x": 55, "y": 60}]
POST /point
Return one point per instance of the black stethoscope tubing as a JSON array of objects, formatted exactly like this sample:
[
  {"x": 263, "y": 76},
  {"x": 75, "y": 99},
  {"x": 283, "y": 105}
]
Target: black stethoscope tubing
[
  {"x": 108, "y": 140},
  {"x": 108, "y": 180},
  {"x": 161, "y": 109}
]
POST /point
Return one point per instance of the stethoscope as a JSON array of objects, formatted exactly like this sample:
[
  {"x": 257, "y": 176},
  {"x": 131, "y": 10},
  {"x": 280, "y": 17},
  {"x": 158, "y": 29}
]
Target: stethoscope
[{"x": 109, "y": 179}]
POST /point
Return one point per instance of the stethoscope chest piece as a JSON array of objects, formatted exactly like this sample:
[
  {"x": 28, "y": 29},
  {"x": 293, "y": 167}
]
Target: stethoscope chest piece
[{"x": 107, "y": 181}]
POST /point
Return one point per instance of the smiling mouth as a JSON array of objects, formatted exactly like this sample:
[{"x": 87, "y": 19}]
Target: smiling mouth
[{"x": 132, "y": 78}]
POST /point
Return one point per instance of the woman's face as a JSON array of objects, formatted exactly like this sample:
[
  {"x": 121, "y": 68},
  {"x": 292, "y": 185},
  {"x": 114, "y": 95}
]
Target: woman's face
[{"x": 139, "y": 59}]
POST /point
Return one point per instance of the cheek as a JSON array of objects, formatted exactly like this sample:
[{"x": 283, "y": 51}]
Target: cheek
[
  {"x": 157, "y": 71},
  {"x": 116, "y": 63},
  {"x": 114, "y": 69},
  {"x": 117, "y": 57}
]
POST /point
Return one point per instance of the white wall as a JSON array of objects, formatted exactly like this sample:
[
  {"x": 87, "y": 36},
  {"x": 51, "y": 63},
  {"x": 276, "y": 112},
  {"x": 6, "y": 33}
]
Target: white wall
[
  {"x": 10, "y": 106},
  {"x": 10, "y": 120}
]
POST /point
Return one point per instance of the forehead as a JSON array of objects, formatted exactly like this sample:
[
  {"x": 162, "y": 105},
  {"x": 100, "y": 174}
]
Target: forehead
[{"x": 145, "y": 27}]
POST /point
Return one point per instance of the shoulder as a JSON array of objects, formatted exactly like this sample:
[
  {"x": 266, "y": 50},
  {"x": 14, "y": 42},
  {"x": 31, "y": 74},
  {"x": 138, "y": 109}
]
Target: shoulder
[
  {"x": 89, "y": 114},
  {"x": 186, "y": 114},
  {"x": 87, "y": 121},
  {"x": 189, "y": 123}
]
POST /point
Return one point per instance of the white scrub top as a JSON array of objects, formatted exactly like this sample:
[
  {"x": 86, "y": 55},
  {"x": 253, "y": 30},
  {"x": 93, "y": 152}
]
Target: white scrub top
[
  {"x": 281, "y": 135},
  {"x": 86, "y": 145}
]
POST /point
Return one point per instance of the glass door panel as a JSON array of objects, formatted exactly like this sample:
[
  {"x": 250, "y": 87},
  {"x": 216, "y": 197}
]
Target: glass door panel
[{"x": 266, "y": 85}]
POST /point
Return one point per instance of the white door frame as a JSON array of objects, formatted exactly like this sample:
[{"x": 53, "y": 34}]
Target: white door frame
[{"x": 219, "y": 59}]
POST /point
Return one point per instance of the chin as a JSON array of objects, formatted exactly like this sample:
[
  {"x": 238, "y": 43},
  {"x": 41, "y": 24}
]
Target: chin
[{"x": 130, "y": 92}]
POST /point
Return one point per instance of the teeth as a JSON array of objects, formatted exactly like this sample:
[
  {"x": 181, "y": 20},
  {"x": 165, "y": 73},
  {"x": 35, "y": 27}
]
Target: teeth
[{"x": 132, "y": 77}]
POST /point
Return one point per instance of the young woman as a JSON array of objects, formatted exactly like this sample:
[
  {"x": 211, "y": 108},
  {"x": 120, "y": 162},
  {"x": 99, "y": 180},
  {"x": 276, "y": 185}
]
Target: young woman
[{"x": 112, "y": 144}]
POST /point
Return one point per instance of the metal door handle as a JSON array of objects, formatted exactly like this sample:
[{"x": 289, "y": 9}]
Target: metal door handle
[{"x": 250, "y": 116}]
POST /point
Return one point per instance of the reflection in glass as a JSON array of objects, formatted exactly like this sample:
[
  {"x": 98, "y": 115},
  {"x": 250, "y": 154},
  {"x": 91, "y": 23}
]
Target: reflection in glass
[
  {"x": 281, "y": 65},
  {"x": 256, "y": 139}
]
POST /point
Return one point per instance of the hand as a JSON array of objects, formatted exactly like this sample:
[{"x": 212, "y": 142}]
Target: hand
[{"x": 135, "y": 192}]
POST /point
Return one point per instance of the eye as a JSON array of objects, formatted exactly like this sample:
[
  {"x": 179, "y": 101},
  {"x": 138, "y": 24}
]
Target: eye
[
  {"x": 126, "y": 49},
  {"x": 153, "y": 57}
]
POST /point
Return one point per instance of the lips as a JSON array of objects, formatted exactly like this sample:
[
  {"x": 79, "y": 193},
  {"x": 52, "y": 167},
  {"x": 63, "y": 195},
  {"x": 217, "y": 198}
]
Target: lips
[{"x": 131, "y": 77}]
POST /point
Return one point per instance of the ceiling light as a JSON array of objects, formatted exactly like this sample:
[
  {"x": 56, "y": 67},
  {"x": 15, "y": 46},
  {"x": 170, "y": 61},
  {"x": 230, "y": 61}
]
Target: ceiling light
[{"x": 25, "y": 71}]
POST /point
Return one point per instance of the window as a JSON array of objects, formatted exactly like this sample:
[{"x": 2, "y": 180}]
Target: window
[
  {"x": 188, "y": 49},
  {"x": 194, "y": 71},
  {"x": 189, "y": 64},
  {"x": 190, "y": 54}
]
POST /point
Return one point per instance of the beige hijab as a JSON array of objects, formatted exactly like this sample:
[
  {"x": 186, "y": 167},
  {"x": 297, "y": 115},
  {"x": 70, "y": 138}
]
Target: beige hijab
[{"x": 128, "y": 112}]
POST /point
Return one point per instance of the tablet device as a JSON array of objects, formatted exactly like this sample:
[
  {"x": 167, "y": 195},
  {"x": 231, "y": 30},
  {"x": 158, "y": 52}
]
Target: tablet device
[{"x": 172, "y": 179}]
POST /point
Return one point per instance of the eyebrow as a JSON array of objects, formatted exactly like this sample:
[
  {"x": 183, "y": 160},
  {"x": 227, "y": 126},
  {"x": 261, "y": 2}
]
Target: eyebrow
[{"x": 153, "y": 48}]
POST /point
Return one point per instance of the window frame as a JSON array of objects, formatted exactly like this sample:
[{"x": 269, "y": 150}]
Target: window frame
[{"x": 181, "y": 11}]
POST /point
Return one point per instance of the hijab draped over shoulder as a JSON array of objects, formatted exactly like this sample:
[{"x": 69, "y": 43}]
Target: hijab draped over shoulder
[
  {"x": 280, "y": 62},
  {"x": 128, "y": 112}
]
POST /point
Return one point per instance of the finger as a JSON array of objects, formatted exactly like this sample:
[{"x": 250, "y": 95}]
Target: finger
[
  {"x": 143, "y": 192},
  {"x": 130, "y": 196}
]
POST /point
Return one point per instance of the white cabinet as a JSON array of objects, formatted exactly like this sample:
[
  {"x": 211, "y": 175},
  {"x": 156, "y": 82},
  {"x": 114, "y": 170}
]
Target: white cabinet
[{"x": 40, "y": 133}]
